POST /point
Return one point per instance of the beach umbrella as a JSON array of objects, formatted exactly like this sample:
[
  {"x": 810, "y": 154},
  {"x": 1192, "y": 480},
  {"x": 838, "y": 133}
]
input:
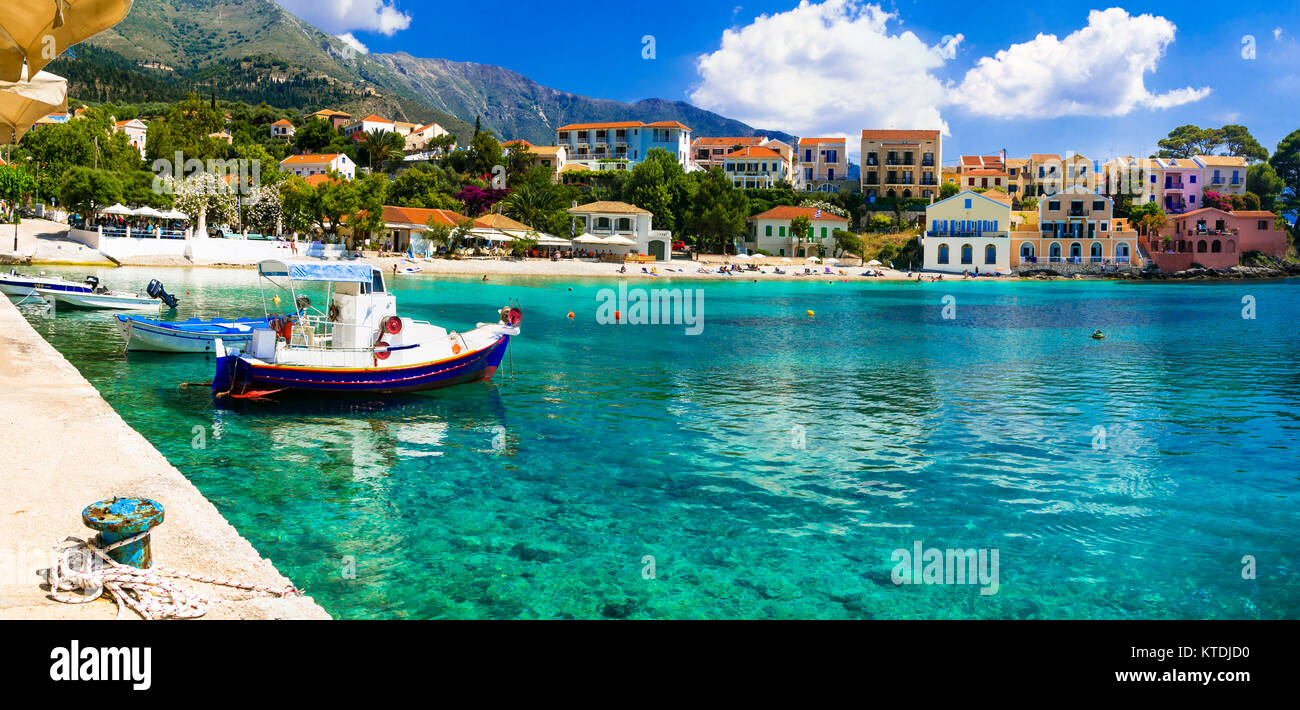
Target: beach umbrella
[
  {"x": 37, "y": 31},
  {"x": 619, "y": 240},
  {"x": 832, "y": 260},
  {"x": 147, "y": 211},
  {"x": 588, "y": 239},
  {"x": 176, "y": 214},
  {"x": 23, "y": 103},
  {"x": 873, "y": 262},
  {"x": 787, "y": 260},
  {"x": 118, "y": 208},
  {"x": 813, "y": 259}
]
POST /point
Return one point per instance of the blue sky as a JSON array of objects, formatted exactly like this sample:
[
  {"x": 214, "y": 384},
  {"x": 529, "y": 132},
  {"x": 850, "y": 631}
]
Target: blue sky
[{"x": 1104, "y": 84}]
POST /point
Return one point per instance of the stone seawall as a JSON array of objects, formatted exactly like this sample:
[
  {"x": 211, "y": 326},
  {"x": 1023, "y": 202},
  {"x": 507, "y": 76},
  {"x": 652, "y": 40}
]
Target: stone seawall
[{"x": 63, "y": 447}]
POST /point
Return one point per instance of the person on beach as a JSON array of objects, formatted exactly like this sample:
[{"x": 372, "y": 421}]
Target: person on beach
[{"x": 484, "y": 276}]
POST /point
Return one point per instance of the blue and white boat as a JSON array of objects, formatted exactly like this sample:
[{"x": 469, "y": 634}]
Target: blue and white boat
[
  {"x": 23, "y": 286},
  {"x": 187, "y": 336},
  {"x": 358, "y": 345}
]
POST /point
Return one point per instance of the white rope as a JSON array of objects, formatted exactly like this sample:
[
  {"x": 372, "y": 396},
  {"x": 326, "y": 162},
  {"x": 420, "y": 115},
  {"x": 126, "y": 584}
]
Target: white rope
[{"x": 85, "y": 566}]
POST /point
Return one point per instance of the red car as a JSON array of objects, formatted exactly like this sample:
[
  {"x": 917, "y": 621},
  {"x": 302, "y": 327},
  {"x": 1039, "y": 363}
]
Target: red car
[{"x": 679, "y": 246}]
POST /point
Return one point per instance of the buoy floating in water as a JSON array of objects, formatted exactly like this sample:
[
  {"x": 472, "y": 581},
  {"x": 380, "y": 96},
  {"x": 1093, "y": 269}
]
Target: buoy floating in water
[
  {"x": 810, "y": 313},
  {"x": 276, "y": 298},
  {"x": 570, "y": 315}
]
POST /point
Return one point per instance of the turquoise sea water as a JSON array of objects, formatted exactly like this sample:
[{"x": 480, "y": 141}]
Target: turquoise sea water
[{"x": 545, "y": 494}]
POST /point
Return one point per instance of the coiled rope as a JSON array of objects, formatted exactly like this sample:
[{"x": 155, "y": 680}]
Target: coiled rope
[{"x": 83, "y": 565}]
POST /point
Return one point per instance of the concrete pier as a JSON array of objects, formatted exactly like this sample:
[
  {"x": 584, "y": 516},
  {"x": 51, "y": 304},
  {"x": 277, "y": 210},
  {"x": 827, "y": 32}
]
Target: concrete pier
[{"x": 63, "y": 447}]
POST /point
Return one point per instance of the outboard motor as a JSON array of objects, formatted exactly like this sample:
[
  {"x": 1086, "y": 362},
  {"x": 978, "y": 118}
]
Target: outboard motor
[
  {"x": 93, "y": 282},
  {"x": 155, "y": 290}
]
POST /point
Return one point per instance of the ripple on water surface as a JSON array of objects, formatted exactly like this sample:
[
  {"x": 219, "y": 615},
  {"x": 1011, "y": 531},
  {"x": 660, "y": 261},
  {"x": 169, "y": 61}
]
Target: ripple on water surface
[{"x": 772, "y": 464}]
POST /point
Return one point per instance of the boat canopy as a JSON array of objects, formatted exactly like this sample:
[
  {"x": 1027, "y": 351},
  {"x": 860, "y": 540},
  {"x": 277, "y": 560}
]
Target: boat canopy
[{"x": 313, "y": 271}]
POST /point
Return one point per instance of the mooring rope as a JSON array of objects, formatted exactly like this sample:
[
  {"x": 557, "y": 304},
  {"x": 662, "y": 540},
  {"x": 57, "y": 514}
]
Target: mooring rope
[{"x": 147, "y": 592}]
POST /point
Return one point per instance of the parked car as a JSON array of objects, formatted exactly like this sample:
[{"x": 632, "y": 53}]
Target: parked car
[{"x": 679, "y": 246}]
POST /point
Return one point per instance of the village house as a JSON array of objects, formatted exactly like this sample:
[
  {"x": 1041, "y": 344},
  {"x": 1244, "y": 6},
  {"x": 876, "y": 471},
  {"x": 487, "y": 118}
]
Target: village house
[
  {"x": 320, "y": 164},
  {"x": 770, "y": 231}
]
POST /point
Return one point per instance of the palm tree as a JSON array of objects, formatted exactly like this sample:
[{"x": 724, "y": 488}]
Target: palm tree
[
  {"x": 532, "y": 204},
  {"x": 381, "y": 145}
]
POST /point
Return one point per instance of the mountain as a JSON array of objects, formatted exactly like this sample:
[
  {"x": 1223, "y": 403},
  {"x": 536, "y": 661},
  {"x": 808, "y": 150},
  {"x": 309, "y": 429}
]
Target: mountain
[
  {"x": 254, "y": 51},
  {"x": 515, "y": 106}
]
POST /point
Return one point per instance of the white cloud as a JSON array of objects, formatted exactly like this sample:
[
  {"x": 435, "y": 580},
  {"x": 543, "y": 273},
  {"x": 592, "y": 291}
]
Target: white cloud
[
  {"x": 1277, "y": 33},
  {"x": 353, "y": 42},
  {"x": 340, "y": 16},
  {"x": 1098, "y": 70},
  {"x": 827, "y": 69}
]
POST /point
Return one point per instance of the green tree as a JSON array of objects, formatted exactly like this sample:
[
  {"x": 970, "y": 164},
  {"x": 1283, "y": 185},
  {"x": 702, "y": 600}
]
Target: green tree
[
  {"x": 1188, "y": 140},
  {"x": 948, "y": 189},
  {"x": 315, "y": 135},
  {"x": 538, "y": 206},
  {"x": 847, "y": 242},
  {"x": 1263, "y": 181},
  {"x": 15, "y": 185},
  {"x": 660, "y": 185},
  {"x": 380, "y": 146},
  {"x": 1237, "y": 141},
  {"x": 484, "y": 153},
  {"x": 800, "y": 228},
  {"x": 523, "y": 244},
  {"x": 718, "y": 211},
  {"x": 86, "y": 190}
]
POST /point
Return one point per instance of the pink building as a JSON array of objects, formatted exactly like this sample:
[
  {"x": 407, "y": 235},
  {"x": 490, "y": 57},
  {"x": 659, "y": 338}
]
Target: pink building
[{"x": 1215, "y": 239}]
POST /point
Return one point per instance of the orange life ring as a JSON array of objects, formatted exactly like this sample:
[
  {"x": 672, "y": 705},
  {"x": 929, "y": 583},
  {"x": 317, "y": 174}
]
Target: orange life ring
[{"x": 455, "y": 349}]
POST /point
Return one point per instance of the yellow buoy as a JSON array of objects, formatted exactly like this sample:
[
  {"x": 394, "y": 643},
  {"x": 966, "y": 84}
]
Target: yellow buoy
[
  {"x": 276, "y": 298},
  {"x": 810, "y": 313}
]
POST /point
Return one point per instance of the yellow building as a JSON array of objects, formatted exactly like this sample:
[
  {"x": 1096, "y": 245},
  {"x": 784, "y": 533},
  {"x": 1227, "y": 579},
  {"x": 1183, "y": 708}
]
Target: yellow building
[
  {"x": 900, "y": 163},
  {"x": 1075, "y": 226}
]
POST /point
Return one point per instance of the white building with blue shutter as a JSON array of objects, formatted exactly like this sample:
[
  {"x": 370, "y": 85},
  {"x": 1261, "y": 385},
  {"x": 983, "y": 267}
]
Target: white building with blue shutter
[{"x": 967, "y": 232}]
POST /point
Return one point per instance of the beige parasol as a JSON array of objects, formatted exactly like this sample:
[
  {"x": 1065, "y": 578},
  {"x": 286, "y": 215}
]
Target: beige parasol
[
  {"x": 23, "y": 103},
  {"x": 40, "y": 30}
]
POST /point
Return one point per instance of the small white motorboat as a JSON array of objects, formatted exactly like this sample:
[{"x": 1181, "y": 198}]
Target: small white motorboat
[
  {"x": 24, "y": 286},
  {"x": 187, "y": 336},
  {"x": 101, "y": 298}
]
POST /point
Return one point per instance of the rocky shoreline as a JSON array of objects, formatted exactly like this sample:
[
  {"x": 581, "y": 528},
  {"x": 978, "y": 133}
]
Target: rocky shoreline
[{"x": 1271, "y": 269}]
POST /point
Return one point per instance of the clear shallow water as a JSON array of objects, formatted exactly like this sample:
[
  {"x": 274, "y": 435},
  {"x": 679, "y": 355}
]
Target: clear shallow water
[{"x": 539, "y": 496}]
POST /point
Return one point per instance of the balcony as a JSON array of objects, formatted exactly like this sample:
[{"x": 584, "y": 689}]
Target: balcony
[
  {"x": 929, "y": 181},
  {"x": 1078, "y": 212},
  {"x": 929, "y": 163},
  {"x": 1236, "y": 181},
  {"x": 900, "y": 162},
  {"x": 1216, "y": 179},
  {"x": 871, "y": 181}
]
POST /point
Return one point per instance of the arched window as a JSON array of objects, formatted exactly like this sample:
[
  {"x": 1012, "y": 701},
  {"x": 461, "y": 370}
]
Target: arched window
[
  {"x": 1121, "y": 251},
  {"x": 891, "y": 193},
  {"x": 1232, "y": 246},
  {"x": 1200, "y": 246},
  {"x": 1216, "y": 246},
  {"x": 943, "y": 253},
  {"x": 1027, "y": 250},
  {"x": 990, "y": 254},
  {"x": 1094, "y": 252},
  {"x": 967, "y": 254},
  {"x": 624, "y": 224},
  {"x": 1076, "y": 250},
  {"x": 602, "y": 223},
  {"x": 1054, "y": 251},
  {"x": 907, "y": 193}
]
